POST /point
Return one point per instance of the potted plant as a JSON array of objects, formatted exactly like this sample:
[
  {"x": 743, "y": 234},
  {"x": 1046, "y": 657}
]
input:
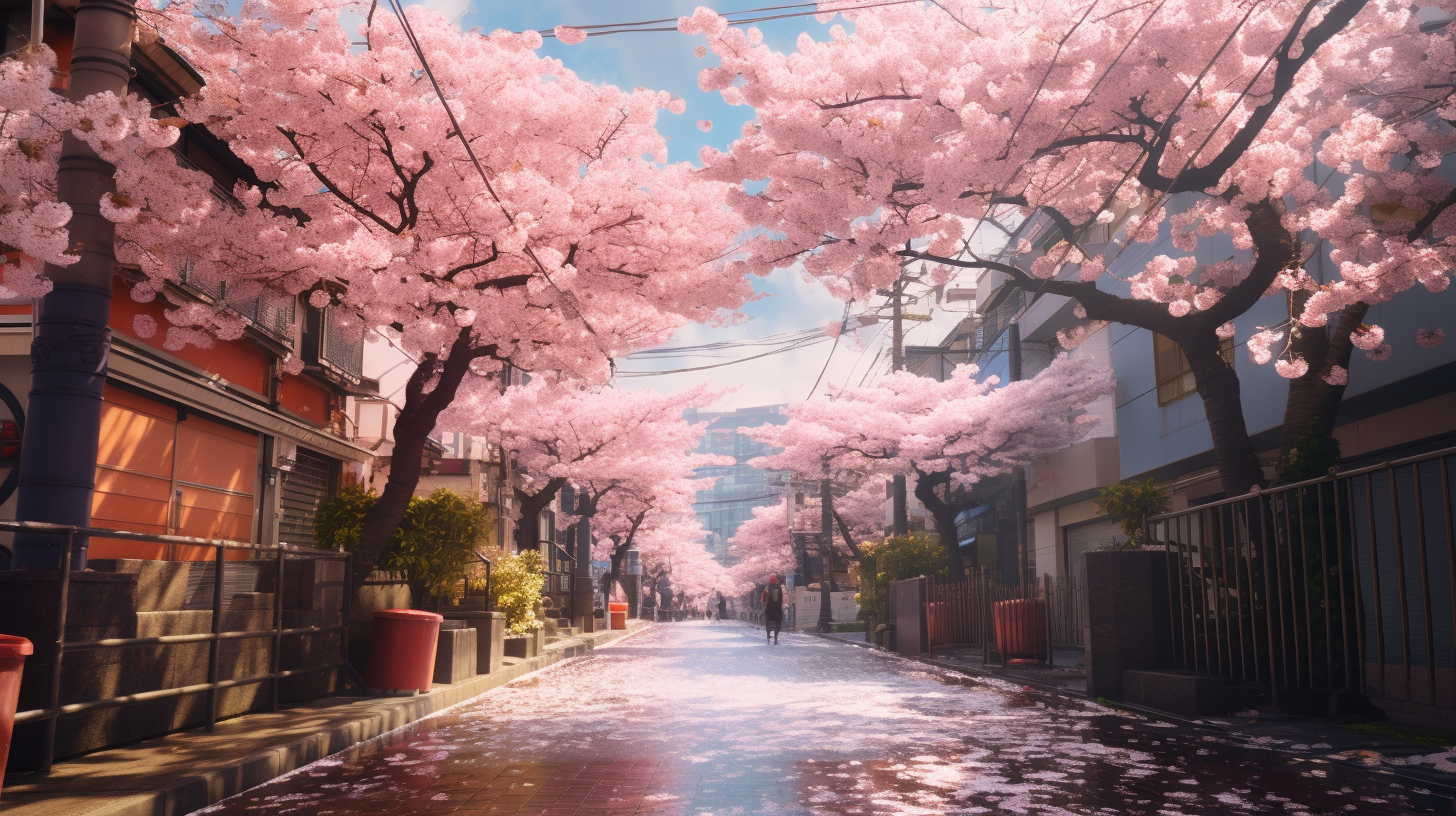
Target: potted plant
[
  {"x": 515, "y": 590},
  {"x": 1126, "y": 590},
  {"x": 431, "y": 548},
  {"x": 1129, "y": 505}
]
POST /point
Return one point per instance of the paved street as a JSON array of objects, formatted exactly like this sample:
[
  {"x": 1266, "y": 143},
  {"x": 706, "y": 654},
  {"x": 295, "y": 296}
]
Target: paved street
[{"x": 697, "y": 719}]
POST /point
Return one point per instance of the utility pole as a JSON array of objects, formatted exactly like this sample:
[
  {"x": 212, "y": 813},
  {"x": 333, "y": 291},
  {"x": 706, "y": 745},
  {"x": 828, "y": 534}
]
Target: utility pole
[
  {"x": 72, "y": 338},
  {"x": 1018, "y": 483},
  {"x": 901, "y": 513},
  {"x": 826, "y": 533}
]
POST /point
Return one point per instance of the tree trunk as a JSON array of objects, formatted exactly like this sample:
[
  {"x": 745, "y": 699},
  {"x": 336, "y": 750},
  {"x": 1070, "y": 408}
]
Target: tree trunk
[
  {"x": 853, "y": 548},
  {"x": 532, "y": 504},
  {"x": 1276, "y": 249},
  {"x": 1218, "y": 385},
  {"x": 412, "y": 429},
  {"x": 1306, "y": 440},
  {"x": 944, "y": 515}
]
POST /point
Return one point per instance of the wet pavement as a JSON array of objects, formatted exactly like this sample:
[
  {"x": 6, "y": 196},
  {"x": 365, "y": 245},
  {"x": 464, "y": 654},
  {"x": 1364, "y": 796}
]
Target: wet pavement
[{"x": 702, "y": 719}]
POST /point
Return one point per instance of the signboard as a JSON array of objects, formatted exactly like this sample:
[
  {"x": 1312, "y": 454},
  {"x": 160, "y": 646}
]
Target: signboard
[
  {"x": 842, "y": 607},
  {"x": 806, "y": 541}
]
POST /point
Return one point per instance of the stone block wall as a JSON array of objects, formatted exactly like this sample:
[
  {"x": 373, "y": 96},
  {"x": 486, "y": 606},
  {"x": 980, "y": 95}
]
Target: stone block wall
[{"x": 132, "y": 598}]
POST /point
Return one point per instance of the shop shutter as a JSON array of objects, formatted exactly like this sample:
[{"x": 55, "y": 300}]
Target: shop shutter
[
  {"x": 158, "y": 471},
  {"x": 216, "y": 482},
  {"x": 304, "y": 488},
  {"x": 1088, "y": 536},
  {"x": 134, "y": 461}
]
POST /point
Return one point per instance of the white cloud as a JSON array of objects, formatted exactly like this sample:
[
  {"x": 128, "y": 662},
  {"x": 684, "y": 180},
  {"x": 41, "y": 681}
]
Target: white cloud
[
  {"x": 795, "y": 304},
  {"x": 454, "y": 10}
]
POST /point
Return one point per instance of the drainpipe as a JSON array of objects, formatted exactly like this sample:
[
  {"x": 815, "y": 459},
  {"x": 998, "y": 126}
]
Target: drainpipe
[
  {"x": 68, "y": 356},
  {"x": 826, "y": 537},
  {"x": 1018, "y": 485}
]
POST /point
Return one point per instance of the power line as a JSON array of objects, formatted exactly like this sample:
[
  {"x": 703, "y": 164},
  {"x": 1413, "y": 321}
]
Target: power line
[
  {"x": 793, "y": 347},
  {"x": 843, "y": 321},
  {"x": 710, "y": 349},
  {"x": 670, "y": 23}
]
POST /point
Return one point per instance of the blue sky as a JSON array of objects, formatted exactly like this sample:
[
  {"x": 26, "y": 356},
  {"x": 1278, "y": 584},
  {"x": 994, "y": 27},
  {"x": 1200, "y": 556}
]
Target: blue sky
[{"x": 665, "y": 61}]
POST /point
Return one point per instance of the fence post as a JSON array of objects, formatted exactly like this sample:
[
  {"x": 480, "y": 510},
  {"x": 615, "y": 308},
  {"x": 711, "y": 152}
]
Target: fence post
[
  {"x": 53, "y": 693},
  {"x": 347, "y": 611},
  {"x": 214, "y": 644},
  {"x": 277, "y": 657},
  {"x": 1046, "y": 583}
]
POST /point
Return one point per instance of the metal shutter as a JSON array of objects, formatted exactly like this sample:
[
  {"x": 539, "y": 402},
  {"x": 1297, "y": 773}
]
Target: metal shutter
[
  {"x": 1088, "y": 536},
  {"x": 304, "y": 487}
]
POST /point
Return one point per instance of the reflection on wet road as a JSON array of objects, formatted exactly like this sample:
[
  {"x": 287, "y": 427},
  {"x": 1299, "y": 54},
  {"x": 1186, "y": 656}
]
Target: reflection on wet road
[{"x": 698, "y": 719}]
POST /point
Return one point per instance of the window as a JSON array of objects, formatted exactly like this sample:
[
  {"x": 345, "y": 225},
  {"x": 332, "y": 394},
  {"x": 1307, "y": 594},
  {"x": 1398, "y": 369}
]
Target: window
[{"x": 1175, "y": 378}]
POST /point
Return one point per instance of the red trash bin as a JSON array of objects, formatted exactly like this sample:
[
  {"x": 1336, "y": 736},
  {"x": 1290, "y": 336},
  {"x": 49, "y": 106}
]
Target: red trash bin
[
  {"x": 618, "y": 614},
  {"x": 402, "y": 649},
  {"x": 1021, "y": 627},
  {"x": 13, "y": 651}
]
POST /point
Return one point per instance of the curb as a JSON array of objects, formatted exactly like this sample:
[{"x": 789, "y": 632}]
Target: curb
[
  {"x": 202, "y": 788},
  {"x": 1442, "y": 789}
]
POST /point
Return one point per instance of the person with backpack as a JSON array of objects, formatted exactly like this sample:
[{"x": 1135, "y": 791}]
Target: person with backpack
[{"x": 773, "y": 609}]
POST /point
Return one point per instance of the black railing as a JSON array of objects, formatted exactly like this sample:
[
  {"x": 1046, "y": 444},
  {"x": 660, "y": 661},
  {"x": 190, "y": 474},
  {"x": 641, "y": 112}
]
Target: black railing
[
  {"x": 1338, "y": 584},
  {"x": 53, "y": 709}
]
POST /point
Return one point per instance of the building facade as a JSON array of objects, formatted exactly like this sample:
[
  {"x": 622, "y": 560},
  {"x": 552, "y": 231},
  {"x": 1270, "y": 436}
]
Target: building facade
[
  {"x": 220, "y": 442},
  {"x": 740, "y": 487}
]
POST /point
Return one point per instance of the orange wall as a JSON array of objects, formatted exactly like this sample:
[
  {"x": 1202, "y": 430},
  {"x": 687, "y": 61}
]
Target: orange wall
[
  {"x": 239, "y": 362},
  {"x": 156, "y": 474},
  {"x": 304, "y": 399}
]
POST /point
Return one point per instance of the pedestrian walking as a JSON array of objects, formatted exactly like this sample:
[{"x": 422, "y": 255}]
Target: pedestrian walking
[
  {"x": 722, "y": 607},
  {"x": 773, "y": 609}
]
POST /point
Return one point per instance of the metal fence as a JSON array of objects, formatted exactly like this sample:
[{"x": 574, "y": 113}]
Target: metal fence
[
  {"x": 960, "y": 612},
  {"x": 1338, "y": 584},
  {"x": 212, "y": 553}
]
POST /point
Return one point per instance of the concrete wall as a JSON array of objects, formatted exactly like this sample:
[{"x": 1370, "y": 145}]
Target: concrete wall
[{"x": 131, "y": 598}]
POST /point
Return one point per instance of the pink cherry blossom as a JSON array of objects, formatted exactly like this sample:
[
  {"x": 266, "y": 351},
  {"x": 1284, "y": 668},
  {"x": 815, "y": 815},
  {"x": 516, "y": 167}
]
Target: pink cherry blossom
[
  {"x": 904, "y": 129},
  {"x": 1429, "y": 338},
  {"x": 1292, "y": 369},
  {"x": 1368, "y": 338},
  {"x": 569, "y": 35},
  {"x": 1337, "y": 375}
]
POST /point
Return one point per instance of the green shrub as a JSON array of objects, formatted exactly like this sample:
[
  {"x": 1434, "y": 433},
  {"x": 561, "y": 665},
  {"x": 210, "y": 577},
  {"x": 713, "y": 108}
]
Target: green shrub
[
  {"x": 895, "y": 559},
  {"x": 1129, "y": 505},
  {"x": 432, "y": 546},
  {"x": 516, "y": 581}
]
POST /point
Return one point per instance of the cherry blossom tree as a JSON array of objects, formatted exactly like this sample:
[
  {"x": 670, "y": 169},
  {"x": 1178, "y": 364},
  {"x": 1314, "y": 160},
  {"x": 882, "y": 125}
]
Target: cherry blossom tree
[
  {"x": 1267, "y": 132},
  {"x": 529, "y": 220},
  {"x": 601, "y": 440},
  {"x": 761, "y": 545},
  {"x": 948, "y": 435},
  {"x": 675, "y": 550},
  {"x": 628, "y": 508}
]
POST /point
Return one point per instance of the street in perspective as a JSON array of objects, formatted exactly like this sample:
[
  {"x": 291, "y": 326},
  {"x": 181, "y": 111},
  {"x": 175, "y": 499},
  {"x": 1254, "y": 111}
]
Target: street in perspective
[
  {"x": 697, "y": 718},
  {"x": 1035, "y": 407}
]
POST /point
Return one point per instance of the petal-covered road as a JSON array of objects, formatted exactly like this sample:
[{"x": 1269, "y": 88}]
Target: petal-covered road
[{"x": 700, "y": 718}]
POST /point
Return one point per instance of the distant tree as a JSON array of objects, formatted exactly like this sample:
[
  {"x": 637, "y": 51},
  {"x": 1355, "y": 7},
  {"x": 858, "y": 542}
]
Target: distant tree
[{"x": 948, "y": 435}]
